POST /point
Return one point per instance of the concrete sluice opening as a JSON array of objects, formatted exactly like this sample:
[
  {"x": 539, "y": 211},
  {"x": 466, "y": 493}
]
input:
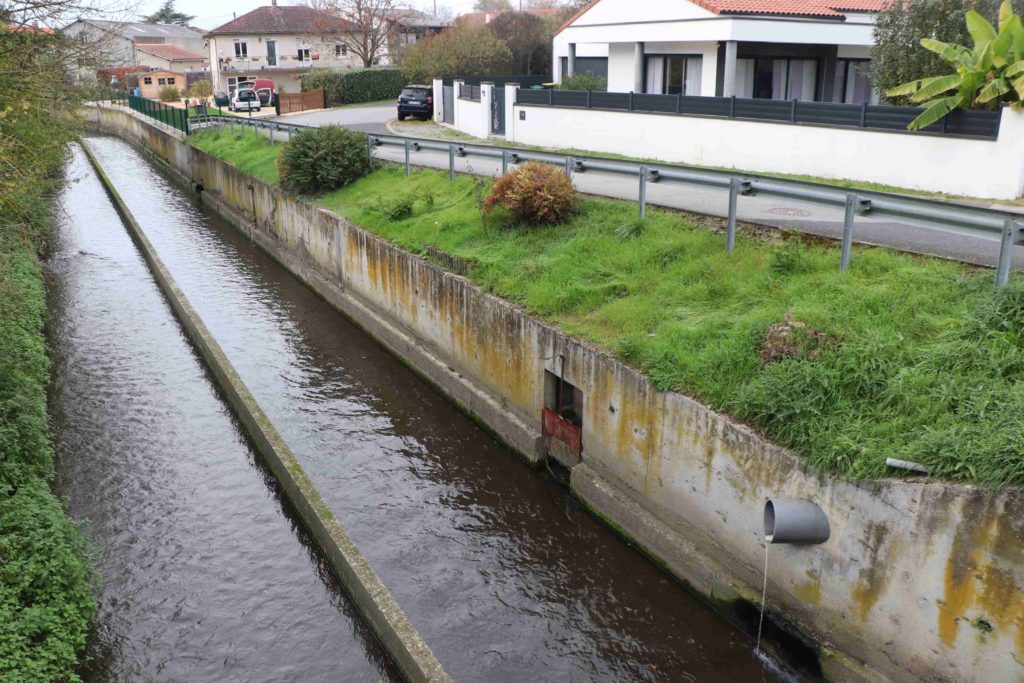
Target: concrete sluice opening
[{"x": 502, "y": 572}]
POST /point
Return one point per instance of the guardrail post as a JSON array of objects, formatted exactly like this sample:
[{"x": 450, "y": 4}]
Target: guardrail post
[
  {"x": 631, "y": 100},
  {"x": 1011, "y": 235},
  {"x": 642, "y": 195},
  {"x": 369, "y": 146},
  {"x": 451, "y": 162},
  {"x": 504, "y": 161},
  {"x": 588, "y": 98},
  {"x": 568, "y": 166},
  {"x": 730, "y": 229},
  {"x": 864, "y": 115},
  {"x": 792, "y": 111},
  {"x": 408, "y": 169},
  {"x": 847, "y": 246},
  {"x": 551, "y": 96},
  {"x": 732, "y": 107},
  {"x": 679, "y": 103}
]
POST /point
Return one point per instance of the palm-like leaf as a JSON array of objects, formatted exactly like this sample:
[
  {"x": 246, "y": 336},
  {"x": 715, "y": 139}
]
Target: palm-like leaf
[
  {"x": 996, "y": 88},
  {"x": 935, "y": 111},
  {"x": 949, "y": 52},
  {"x": 979, "y": 28},
  {"x": 930, "y": 87},
  {"x": 1014, "y": 69}
]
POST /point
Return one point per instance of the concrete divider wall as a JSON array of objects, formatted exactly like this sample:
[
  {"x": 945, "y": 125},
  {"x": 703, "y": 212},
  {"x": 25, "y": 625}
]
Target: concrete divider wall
[{"x": 920, "y": 581}]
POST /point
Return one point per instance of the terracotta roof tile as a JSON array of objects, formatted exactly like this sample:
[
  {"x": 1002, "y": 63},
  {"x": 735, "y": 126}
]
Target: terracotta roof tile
[
  {"x": 782, "y": 8},
  {"x": 283, "y": 19}
]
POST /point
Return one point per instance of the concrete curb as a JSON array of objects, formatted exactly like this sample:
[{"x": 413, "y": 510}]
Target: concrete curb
[{"x": 375, "y": 602}]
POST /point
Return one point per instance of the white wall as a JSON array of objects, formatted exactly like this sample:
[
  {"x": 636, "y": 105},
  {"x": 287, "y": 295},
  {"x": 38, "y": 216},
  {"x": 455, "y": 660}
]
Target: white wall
[
  {"x": 977, "y": 168},
  {"x": 620, "y": 67},
  {"x": 473, "y": 118}
]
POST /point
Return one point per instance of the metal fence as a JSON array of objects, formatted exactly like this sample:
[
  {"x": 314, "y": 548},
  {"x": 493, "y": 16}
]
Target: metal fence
[
  {"x": 469, "y": 92},
  {"x": 172, "y": 116},
  {"x": 974, "y": 123},
  {"x": 524, "y": 81},
  {"x": 992, "y": 224}
]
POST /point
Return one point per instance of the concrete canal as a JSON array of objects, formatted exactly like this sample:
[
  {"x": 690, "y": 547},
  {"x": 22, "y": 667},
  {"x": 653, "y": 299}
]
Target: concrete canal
[{"x": 205, "y": 575}]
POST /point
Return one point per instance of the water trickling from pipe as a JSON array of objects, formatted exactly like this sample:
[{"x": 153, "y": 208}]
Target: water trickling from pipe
[{"x": 764, "y": 595}]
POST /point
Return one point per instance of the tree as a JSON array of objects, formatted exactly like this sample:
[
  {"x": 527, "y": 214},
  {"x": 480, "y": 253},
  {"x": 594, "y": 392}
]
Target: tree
[
  {"x": 201, "y": 90},
  {"x": 460, "y": 51},
  {"x": 168, "y": 15},
  {"x": 897, "y": 56},
  {"x": 362, "y": 25},
  {"x": 492, "y": 6},
  {"x": 990, "y": 73},
  {"x": 528, "y": 38}
]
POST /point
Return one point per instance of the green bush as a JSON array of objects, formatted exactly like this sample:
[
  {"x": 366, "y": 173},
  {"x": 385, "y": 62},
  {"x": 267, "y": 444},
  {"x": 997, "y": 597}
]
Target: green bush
[
  {"x": 170, "y": 94},
  {"x": 323, "y": 159},
  {"x": 201, "y": 90},
  {"x": 534, "y": 193},
  {"x": 584, "y": 81},
  {"x": 351, "y": 86}
]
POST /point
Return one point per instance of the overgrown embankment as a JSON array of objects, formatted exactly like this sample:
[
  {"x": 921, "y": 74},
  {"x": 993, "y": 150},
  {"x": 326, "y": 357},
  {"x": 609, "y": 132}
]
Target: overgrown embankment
[
  {"x": 901, "y": 356},
  {"x": 46, "y": 599}
]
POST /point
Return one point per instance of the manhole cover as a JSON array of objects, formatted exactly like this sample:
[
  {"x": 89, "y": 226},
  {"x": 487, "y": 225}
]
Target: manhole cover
[{"x": 792, "y": 213}]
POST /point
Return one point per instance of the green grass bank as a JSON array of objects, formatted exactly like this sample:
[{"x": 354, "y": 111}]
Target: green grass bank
[
  {"x": 46, "y": 599},
  {"x": 902, "y": 356}
]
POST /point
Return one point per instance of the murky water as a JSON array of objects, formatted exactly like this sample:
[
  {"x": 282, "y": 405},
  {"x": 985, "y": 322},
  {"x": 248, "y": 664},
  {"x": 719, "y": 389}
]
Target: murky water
[
  {"x": 504, "y": 575},
  {"x": 203, "y": 576}
]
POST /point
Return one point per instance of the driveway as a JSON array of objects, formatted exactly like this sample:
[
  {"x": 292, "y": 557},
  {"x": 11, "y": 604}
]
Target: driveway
[{"x": 369, "y": 118}]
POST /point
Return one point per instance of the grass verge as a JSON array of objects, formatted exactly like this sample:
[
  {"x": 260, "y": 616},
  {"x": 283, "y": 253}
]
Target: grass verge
[
  {"x": 902, "y": 356},
  {"x": 46, "y": 599}
]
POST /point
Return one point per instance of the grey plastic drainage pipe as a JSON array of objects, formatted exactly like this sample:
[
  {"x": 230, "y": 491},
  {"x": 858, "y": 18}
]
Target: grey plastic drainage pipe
[{"x": 795, "y": 521}]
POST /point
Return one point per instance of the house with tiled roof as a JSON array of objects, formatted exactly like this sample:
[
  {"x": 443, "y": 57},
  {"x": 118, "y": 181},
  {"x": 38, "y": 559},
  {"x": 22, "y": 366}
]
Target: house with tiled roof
[
  {"x": 808, "y": 50},
  {"x": 169, "y": 58},
  {"x": 280, "y": 43}
]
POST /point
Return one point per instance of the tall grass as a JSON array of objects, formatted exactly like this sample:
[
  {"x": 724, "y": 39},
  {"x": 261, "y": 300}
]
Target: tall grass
[{"x": 923, "y": 359}]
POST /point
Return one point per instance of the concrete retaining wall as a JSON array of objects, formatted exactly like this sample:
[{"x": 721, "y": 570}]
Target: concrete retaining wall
[
  {"x": 374, "y": 601},
  {"x": 920, "y": 581}
]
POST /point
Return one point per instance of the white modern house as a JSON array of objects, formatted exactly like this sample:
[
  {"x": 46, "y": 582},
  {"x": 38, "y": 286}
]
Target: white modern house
[
  {"x": 807, "y": 50},
  {"x": 280, "y": 43}
]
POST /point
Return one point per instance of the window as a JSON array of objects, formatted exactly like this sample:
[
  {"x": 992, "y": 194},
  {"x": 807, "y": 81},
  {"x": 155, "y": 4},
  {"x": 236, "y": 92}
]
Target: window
[
  {"x": 303, "y": 54},
  {"x": 161, "y": 81},
  {"x": 271, "y": 53},
  {"x": 241, "y": 49},
  {"x": 853, "y": 85},
  {"x": 340, "y": 50},
  {"x": 777, "y": 79},
  {"x": 147, "y": 80},
  {"x": 170, "y": 81},
  {"x": 674, "y": 74}
]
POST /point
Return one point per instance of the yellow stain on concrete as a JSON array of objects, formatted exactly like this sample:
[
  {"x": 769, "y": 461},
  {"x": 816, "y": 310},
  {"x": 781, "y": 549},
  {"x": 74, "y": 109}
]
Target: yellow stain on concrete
[{"x": 809, "y": 592}]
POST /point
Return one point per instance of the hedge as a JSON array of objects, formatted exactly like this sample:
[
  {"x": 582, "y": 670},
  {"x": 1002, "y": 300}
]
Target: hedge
[{"x": 350, "y": 86}]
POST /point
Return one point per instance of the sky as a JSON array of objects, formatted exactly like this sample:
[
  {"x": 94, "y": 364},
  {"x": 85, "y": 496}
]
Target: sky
[{"x": 210, "y": 14}]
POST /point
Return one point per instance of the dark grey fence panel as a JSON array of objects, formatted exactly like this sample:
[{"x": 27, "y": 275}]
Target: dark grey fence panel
[
  {"x": 610, "y": 100},
  {"x": 498, "y": 111},
  {"x": 524, "y": 81},
  {"x": 973, "y": 123},
  {"x": 569, "y": 98},
  {"x": 448, "y": 113},
  {"x": 656, "y": 103},
  {"x": 469, "y": 92}
]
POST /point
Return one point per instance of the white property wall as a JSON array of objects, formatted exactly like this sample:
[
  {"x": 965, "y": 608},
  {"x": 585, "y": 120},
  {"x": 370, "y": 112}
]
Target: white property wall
[
  {"x": 976, "y": 168},
  {"x": 473, "y": 118}
]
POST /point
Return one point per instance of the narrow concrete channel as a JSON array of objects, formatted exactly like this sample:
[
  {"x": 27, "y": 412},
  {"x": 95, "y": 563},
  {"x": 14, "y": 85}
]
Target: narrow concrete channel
[
  {"x": 502, "y": 573},
  {"x": 204, "y": 574}
]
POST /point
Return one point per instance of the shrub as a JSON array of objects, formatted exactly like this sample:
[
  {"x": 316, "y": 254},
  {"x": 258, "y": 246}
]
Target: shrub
[
  {"x": 460, "y": 51},
  {"x": 170, "y": 94},
  {"x": 584, "y": 81},
  {"x": 534, "y": 193},
  {"x": 351, "y": 86},
  {"x": 323, "y": 159},
  {"x": 201, "y": 90}
]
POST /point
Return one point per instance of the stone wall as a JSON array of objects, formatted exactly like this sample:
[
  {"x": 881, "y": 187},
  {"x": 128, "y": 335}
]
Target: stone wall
[{"x": 919, "y": 581}]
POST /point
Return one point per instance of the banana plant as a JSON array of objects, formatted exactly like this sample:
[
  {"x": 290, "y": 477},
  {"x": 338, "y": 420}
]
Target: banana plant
[{"x": 987, "y": 75}]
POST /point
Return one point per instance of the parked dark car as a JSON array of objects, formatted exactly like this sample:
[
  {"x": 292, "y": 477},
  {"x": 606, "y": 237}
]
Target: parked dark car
[
  {"x": 416, "y": 100},
  {"x": 221, "y": 98}
]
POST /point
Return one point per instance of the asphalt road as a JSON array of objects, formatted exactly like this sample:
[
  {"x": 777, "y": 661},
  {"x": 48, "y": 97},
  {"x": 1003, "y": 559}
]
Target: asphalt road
[
  {"x": 369, "y": 118},
  {"x": 773, "y": 211}
]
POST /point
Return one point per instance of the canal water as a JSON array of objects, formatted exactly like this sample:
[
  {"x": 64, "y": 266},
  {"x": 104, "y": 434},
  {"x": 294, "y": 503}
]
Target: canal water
[
  {"x": 505, "y": 576},
  {"x": 202, "y": 575}
]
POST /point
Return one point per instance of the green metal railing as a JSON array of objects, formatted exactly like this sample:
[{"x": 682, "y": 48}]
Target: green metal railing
[{"x": 172, "y": 116}]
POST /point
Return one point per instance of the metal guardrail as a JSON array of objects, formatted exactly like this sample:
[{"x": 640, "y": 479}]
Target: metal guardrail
[
  {"x": 960, "y": 122},
  {"x": 1003, "y": 226}
]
